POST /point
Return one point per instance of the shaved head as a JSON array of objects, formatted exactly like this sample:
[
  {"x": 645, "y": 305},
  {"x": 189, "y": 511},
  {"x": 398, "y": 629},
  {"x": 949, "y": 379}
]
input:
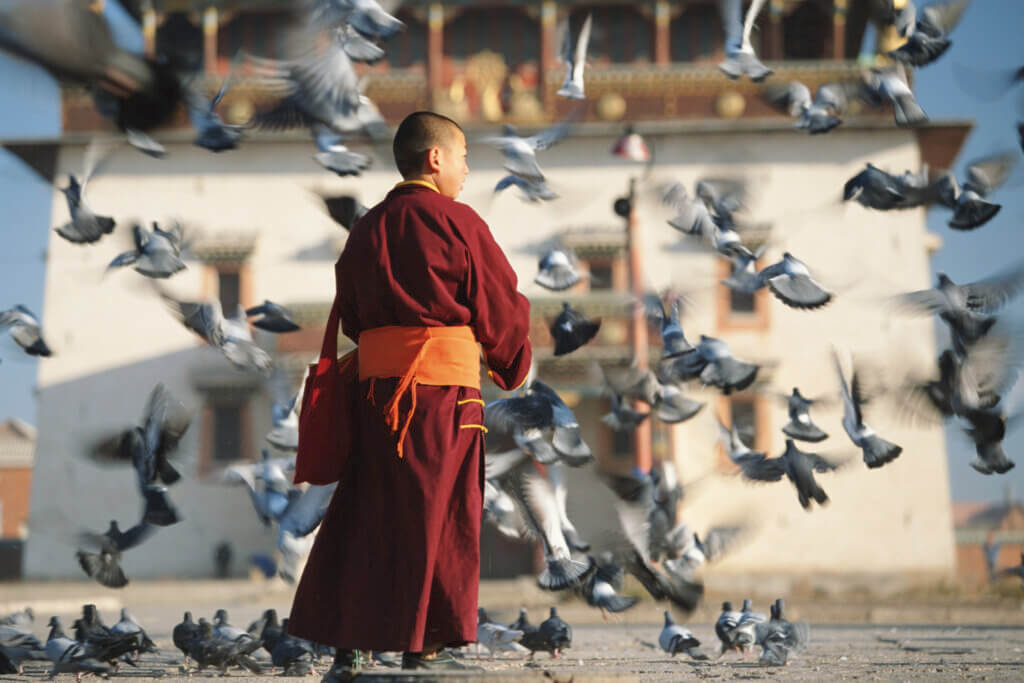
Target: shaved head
[{"x": 417, "y": 134}]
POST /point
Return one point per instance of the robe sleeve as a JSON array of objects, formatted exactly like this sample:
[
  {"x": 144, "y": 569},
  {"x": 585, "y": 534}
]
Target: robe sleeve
[{"x": 501, "y": 315}]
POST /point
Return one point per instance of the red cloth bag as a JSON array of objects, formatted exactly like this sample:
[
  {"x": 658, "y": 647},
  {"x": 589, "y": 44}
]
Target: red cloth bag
[{"x": 328, "y": 428}]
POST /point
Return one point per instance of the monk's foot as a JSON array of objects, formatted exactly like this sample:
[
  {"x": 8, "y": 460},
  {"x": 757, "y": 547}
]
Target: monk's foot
[{"x": 347, "y": 665}]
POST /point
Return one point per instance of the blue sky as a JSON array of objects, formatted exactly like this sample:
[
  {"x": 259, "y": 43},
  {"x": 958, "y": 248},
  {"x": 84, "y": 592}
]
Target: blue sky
[{"x": 987, "y": 38}]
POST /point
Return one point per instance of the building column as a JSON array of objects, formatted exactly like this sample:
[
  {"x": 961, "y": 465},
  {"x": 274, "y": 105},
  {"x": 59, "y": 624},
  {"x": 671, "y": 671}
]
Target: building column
[
  {"x": 548, "y": 59},
  {"x": 210, "y": 26},
  {"x": 839, "y": 29},
  {"x": 638, "y": 324},
  {"x": 435, "y": 49},
  {"x": 774, "y": 48},
  {"x": 149, "y": 30},
  {"x": 662, "y": 34}
]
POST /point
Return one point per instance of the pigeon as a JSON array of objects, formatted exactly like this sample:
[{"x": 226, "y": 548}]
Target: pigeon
[
  {"x": 25, "y": 330},
  {"x": 754, "y": 465},
  {"x": 275, "y": 317},
  {"x": 230, "y": 335},
  {"x": 970, "y": 207},
  {"x": 77, "y": 46},
  {"x": 519, "y": 153},
  {"x": 553, "y": 635},
  {"x": 495, "y": 636},
  {"x": 500, "y": 511},
  {"x": 800, "y": 425},
  {"x": 71, "y": 656},
  {"x": 208, "y": 650},
  {"x": 247, "y": 642},
  {"x": 623, "y": 417},
  {"x": 575, "y": 58},
  {"x": 694, "y": 552},
  {"x": 294, "y": 528},
  {"x": 532, "y": 639},
  {"x": 535, "y": 498},
  {"x": 557, "y": 477},
  {"x": 991, "y": 549},
  {"x": 335, "y": 156},
  {"x": 23, "y": 619},
  {"x": 85, "y": 227},
  {"x": 104, "y": 565},
  {"x": 877, "y": 451},
  {"x": 890, "y": 85},
  {"x": 927, "y": 37},
  {"x": 345, "y": 210},
  {"x": 631, "y": 146},
  {"x": 743, "y": 636},
  {"x": 726, "y": 622},
  {"x": 599, "y": 590},
  {"x": 740, "y": 57},
  {"x": 712, "y": 362},
  {"x": 743, "y": 276},
  {"x": 128, "y": 625},
  {"x": 800, "y": 468},
  {"x": 571, "y": 330},
  {"x": 778, "y": 637},
  {"x": 541, "y": 408},
  {"x": 284, "y": 416},
  {"x": 211, "y": 131},
  {"x": 157, "y": 254},
  {"x": 673, "y": 341},
  {"x": 268, "y": 629},
  {"x": 876, "y": 189},
  {"x": 101, "y": 642},
  {"x": 296, "y": 656},
  {"x": 149, "y": 448},
  {"x": 666, "y": 399},
  {"x": 16, "y": 646},
  {"x": 967, "y": 309},
  {"x": 558, "y": 270},
  {"x": 183, "y": 634},
  {"x": 816, "y": 116},
  {"x": 987, "y": 430},
  {"x": 791, "y": 283},
  {"x": 531, "y": 190},
  {"x": 674, "y": 639},
  {"x": 693, "y": 217},
  {"x": 367, "y": 17}
]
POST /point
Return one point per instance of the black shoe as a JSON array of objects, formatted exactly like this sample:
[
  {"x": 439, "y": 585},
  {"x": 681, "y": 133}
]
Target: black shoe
[
  {"x": 347, "y": 665},
  {"x": 443, "y": 661}
]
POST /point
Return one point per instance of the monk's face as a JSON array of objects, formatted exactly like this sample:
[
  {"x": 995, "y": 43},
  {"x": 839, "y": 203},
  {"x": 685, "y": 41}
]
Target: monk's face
[{"x": 452, "y": 169}]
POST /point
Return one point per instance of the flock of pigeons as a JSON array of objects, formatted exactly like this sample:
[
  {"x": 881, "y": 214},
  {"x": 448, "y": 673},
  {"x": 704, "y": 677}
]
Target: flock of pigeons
[{"x": 534, "y": 436}]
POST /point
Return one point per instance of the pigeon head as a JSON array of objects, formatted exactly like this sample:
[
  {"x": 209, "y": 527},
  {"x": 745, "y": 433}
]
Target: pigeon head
[
  {"x": 668, "y": 618},
  {"x": 481, "y": 615},
  {"x": 747, "y": 605},
  {"x": 943, "y": 279},
  {"x": 187, "y": 618},
  {"x": 90, "y": 614},
  {"x": 796, "y": 392},
  {"x": 779, "y": 605},
  {"x": 54, "y": 622},
  {"x": 726, "y": 606},
  {"x": 205, "y": 628},
  {"x": 220, "y": 616},
  {"x": 554, "y": 612},
  {"x": 113, "y": 529},
  {"x": 270, "y": 616}
]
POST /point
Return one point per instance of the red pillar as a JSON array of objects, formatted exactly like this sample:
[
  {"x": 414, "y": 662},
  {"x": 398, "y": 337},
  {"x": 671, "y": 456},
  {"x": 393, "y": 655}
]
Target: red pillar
[
  {"x": 638, "y": 323},
  {"x": 210, "y": 26},
  {"x": 435, "y": 48},
  {"x": 662, "y": 35},
  {"x": 839, "y": 29},
  {"x": 548, "y": 53},
  {"x": 149, "y": 31}
]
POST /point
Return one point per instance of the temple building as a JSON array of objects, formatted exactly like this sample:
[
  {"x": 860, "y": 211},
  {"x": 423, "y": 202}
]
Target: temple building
[{"x": 258, "y": 228}]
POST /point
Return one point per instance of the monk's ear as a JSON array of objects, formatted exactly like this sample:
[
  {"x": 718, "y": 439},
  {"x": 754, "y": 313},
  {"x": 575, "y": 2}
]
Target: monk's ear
[{"x": 434, "y": 160}]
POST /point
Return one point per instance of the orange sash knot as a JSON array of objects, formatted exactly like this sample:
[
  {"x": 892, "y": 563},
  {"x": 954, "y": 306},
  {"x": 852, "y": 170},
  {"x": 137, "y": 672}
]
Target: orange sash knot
[{"x": 435, "y": 356}]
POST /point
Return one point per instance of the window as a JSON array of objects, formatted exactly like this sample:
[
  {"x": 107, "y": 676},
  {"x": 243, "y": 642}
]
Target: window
[
  {"x": 807, "y": 32},
  {"x": 181, "y": 42},
  {"x": 738, "y": 310},
  {"x": 409, "y": 46},
  {"x": 619, "y": 33},
  {"x": 740, "y": 302},
  {"x": 697, "y": 34},
  {"x": 229, "y": 290},
  {"x": 749, "y": 412},
  {"x": 505, "y": 30},
  {"x": 623, "y": 443},
  {"x": 227, "y": 432},
  {"x": 744, "y": 418},
  {"x": 601, "y": 276}
]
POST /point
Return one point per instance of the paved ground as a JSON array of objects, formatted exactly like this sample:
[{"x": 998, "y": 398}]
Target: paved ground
[{"x": 924, "y": 639}]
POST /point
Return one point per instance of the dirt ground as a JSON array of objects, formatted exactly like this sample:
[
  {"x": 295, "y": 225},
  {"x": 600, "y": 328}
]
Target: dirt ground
[{"x": 923, "y": 639}]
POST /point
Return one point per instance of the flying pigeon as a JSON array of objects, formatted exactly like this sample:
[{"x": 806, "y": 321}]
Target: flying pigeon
[
  {"x": 157, "y": 254},
  {"x": 85, "y": 226},
  {"x": 673, "y": 341},
  {"x": 890, "y": 85},
  {"x": 211, "y": 131},
  {"x": 800, "y": 425},
  {"x": 816, "y": 116},
  {"x": 926, "y": 31},
  {"x": 970, "y": 207},
  {"x": 275, "y": 317},
  {"x": 575, "y": 58},
  {"x": 791, "y": 283},
  {"x": 520, "y": 153},
  {"x": 877, "y": 451},
  {"x": 541, "y": 408},
  {"x": 740, "y": 57},
  {"x": 599, "y": 590},
  {"x": 335, "y": 156},
  {"x": 531, "y": 189},
  {"x": 25, "y": 330},
  {"x": 100, "y": 554},
  {"x": 571, "y": 330},
  {"x": 558, "y": 270},
  {"x": 877, "y": 189},
  {"x": 712, "y": 362}
]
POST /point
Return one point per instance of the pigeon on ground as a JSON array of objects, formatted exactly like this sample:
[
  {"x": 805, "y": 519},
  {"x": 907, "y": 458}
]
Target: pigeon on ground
[
  {"x": 85, "y": 226},
  {"x": 71, "y": 656},
  {"x": 520, "y": 154},
  {"x": 211, "y": 131},
  {"x": 183, "y": 634},
  {"x": 800, "y": 425},
  {"x": 877, "y": 451},
  {"x": 575, "y": 58},
  {"x": 128, "y": 625},
  {"x": 206, "y": 649},
  {"x": 333, "y": 155},
  {"x": 296, "y": 656},
  {"x": 675, "y": 639},
  {"x": 99, "y": 555},
  {"x": 157, "y": 254},
  {"x": 816, "y": 116},
  {"x": 531, "y": 190},
  {"x": 101, "y": 642},
  {"x": 268, "y": 629},
  {"x": 275, "y": 317},
  {"x": 791, "y": 283},
  {"x": 926, "y": 31},
  {"x": 968, "y": 309},
  {"x": 890, "y": 85},
  {"x": 599, "y": 590},
  {"x": 712, "y": 362},
  {"x": 25, "y": 330},
  {"x": 726, "y": 622},
  {"x": 970, "y": 207},
  {"x": 743, "y": 636},
  {"x": 552, "y": 635},
  {"x": 571, "y": 330},
  {"x": 495, "y": 636},
  {"x": 778, "y": 637},
  {"x": 23, "y": 619},
  {"x": 17, "y": 646},
  {"x": 740, "y": 57},
  {"x": 247, "y": 642}
]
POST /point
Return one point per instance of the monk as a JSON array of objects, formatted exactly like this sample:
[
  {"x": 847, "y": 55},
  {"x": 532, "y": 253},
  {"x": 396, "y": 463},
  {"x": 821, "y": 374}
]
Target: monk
[{"x": 422, "y": 289}]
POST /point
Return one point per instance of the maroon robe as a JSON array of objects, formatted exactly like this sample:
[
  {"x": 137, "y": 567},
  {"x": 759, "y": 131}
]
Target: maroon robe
[{"x": 396, "y": 564}]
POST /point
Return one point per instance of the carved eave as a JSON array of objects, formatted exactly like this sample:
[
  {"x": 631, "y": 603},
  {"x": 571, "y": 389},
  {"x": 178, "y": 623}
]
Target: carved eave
[
  {"x": 233, "y": 247},
  {"x": 309, "y": 313},
  {"x": 592, "y": 304},
  {"x": 218, "y": 381},
  {"x": 590, "y": 242}
]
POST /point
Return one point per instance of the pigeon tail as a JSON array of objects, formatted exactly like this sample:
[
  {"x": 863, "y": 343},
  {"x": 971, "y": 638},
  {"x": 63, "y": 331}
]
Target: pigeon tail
[
  {"x": 973, "y": 213},
  {"x": 920, "y": 50},
  {"x": 277, "y": 325},
  {"x": 820, "y": 125},
  {"x": 570, "y": 446},
  {"x": 729, "y": 374},
  {"x": 567, "y": 342},
  {"x": 573, "y": 540},
  {"x": 907, "y": 111},
  {"x": 992, "y": 458},
  {"x": 39, "y": 348},
  {"x": 804, "y": 432},
  {"x": 878, "y": 451},
  {"x": 564, "y": 573},
  {"x": 160, "y": 511},
  {"x": 682, "y": 643},
  {"x": 616, "y": 603}
]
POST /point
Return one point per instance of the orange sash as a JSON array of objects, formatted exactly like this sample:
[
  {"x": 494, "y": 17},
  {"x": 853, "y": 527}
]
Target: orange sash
[{"x": 436, "y": 356}]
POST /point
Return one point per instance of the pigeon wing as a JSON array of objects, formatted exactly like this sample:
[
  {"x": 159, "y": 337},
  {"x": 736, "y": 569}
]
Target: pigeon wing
[
  {"x": 991, "y": 294},
  {"x": 792, "y": 98},
  {"x": 988, "y": 174},
  {"x": 940, "y": 18}
]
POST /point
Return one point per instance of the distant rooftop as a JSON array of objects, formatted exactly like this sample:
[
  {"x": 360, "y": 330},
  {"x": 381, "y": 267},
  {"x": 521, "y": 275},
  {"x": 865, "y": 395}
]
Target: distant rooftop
[{"x": 17, "y": 443}]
